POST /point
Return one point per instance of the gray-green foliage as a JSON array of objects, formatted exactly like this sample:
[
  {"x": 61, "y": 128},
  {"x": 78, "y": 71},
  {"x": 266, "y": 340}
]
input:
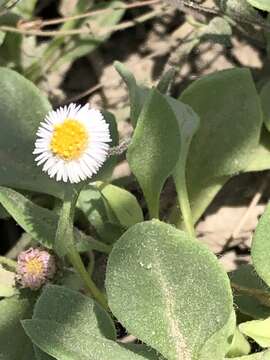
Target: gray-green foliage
[
  {"x": 149, "y": 156},
  {"x": 22, "y": 108},
  {"x": 14, "y": 343},
  {"x": 190, "y": 294},
  {"x": 261, "y": 246},
  {"x": 68, "y": 325},
  {"x": 228, "y": 135}
]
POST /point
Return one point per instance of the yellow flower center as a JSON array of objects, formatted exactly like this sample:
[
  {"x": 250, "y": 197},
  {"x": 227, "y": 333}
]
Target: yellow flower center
[
  {"x": 69, "y": 139},
  {"x": 34, "y": 267}
]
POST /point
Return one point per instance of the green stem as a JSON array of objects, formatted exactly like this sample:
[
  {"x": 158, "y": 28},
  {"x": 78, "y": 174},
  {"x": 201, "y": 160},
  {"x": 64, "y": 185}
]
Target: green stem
[
  {"x": 64, "y": 243},
  {"x": 183, "y": 200},
  {"x": 88, "y": 242},
  {"x": 8, "y": 262},
  {"x": 77, "y": 263}
]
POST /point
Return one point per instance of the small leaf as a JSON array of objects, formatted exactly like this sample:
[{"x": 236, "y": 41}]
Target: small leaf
[
  {"x": 218, "y": 30},
  {"x": 239, "y": 346},
  {"x": 166, "y": 80},
  {"x": 122, "y": 204},
  {"x": 137, "y": 94},
  {"x": 258, "y": 330},
  {"x": 155, "y": 148},
  {"x": 260, "y": 247},
  {"x": 92, "y": 204},
  {"x": 167, "y": 289}
]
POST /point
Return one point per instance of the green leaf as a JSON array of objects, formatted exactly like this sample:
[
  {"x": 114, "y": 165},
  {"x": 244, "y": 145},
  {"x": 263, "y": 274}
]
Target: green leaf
[
  {"x": 263, "y": 355},
  {"x": 220, "y": 342},
  {"x": 52, "y": 338},
  {"x": 188, "y": 123},
  {"x": 137, "y": 94},
  {"x": 166, "y": 80},
  {"x": 92, "y": 204},
  {"x": 258, "y": 330},
  {"x": 167, "y": 289},
  {"x": 155, "y": 147},
  {"x": 25, "y": 8},
  {"x": 229, "y": 132},
  {"x": 265, "y": 94},
  {"x": 73, "y": 310},
  {"x": 260, "y": 247},
  {"x": 69, "y": 325},
  {"x": 39, "y": 222},
  {"x": 122, "y": 204},
  {"x": 22, "y": 108},
  {"x": 7, "y": 283},
  {"x": 260, "y": 4},
  {"x": 218, "y": 31},
  {"x": 239, "y": 346},
  {"x": 238, "y": 8},
  {"x": 252, "y": 295},
  {"x": 14, "y": 343}
]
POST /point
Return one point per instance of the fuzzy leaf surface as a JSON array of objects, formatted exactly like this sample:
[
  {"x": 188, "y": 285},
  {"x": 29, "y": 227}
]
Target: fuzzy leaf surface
[{"x": 167, "y": 289}]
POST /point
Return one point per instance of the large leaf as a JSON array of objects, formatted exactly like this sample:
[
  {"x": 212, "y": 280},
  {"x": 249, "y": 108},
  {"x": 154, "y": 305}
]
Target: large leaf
[
  {"x": 228, "y": 135},
  {"x": 14, "y": 344},
  {"x": 168, "y": 290},
  {"x": 22, "y": 108},
  {"x": 261, "y": 247},
  {"x": 155, "y": 148}
]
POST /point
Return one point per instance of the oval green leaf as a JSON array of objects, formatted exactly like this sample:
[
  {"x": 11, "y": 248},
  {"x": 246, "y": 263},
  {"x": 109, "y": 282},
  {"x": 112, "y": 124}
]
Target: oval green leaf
[
  {"x": 155, "y": 148},
  {"x": 167, "y": 289}
]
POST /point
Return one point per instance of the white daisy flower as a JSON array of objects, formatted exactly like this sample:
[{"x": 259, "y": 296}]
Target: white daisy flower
[{"x": 72, "y": 143}]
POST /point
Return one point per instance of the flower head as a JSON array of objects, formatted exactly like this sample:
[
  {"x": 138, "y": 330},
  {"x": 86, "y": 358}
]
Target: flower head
[
  {"x": 72, "y": 143},
  {"x": 35, "y": 267}
]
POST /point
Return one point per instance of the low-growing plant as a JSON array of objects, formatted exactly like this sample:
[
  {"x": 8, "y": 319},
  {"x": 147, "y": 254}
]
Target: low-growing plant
[{"x": 95, "y": 262}]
